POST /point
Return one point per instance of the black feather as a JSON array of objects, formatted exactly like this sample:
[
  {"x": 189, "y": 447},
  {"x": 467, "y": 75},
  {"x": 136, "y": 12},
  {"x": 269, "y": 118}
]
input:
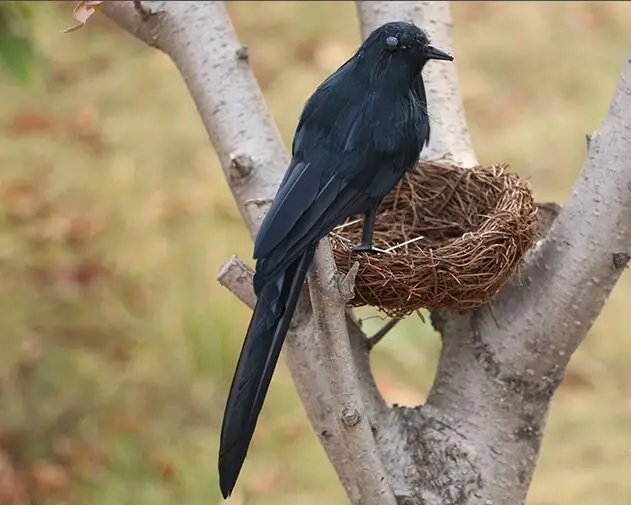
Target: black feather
[
  {"x": 360, "y": 131},
  {"x": 259, "y": 355}
]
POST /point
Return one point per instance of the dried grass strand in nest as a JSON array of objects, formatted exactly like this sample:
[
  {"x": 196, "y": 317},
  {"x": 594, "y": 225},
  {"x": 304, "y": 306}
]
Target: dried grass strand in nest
[{"x": 454, "y": 236}]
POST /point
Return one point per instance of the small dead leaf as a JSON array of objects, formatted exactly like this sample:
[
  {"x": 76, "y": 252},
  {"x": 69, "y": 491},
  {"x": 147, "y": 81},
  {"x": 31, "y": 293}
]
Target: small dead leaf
[{"x": 83, "y": 11}]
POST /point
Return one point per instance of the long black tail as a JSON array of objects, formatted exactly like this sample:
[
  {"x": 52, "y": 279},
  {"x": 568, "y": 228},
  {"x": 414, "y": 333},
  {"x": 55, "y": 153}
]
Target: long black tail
[{"x": 269, "y": 324}]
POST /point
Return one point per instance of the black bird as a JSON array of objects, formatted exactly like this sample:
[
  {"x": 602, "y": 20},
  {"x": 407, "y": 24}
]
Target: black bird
[{"x": 358, "y": 134}]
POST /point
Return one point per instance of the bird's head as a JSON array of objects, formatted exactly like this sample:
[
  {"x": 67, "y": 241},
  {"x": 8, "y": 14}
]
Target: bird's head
[{"x": 403, "y": 44}]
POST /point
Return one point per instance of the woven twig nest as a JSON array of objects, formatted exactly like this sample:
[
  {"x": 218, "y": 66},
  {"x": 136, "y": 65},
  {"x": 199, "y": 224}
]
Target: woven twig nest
[{"x": 453, "y": 236}]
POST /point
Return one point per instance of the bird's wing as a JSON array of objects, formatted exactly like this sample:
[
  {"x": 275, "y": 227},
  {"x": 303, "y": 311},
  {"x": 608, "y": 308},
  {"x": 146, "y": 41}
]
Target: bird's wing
[
  {"x": 299, "y": 185},
  {"x": 302, "y": 217},
  {"x": 327, "y": 145}
]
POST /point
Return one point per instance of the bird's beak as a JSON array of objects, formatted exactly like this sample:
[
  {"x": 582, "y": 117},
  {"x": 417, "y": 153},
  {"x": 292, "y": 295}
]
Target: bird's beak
[{"x": 435, "y": 53}]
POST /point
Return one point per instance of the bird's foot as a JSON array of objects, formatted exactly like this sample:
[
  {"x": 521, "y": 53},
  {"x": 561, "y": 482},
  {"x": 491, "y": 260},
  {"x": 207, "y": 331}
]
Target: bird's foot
[{"x": 368, "y": 249}]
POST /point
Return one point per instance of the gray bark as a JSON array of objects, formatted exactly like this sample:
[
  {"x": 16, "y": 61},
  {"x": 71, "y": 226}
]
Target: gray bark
[{"x": 476, "y": 440}]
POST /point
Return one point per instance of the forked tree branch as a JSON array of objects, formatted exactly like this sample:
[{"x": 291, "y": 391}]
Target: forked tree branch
[{"x": 477, "y": 438}]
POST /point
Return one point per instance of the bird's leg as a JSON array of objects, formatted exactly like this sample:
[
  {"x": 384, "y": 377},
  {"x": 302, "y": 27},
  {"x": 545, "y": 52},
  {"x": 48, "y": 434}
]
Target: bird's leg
[
  {"x": 369, "y": 228},
  {"x": 367, "y": 233}
]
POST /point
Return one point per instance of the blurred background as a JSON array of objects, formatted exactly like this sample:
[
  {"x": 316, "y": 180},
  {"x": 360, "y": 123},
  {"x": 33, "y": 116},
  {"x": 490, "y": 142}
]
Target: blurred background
[{"x": 118, "y": 345}]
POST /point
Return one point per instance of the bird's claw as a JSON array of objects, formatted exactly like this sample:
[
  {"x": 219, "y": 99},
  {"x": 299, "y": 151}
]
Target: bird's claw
[{"x": 368, "y": 249}]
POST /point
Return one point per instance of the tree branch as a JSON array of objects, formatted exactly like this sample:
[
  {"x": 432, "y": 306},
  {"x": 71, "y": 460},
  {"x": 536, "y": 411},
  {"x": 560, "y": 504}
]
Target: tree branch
[
  {"x": 348, "y": 394},
  {"x": 300, "y": 355},
  {"x": 235, "y": 275},
  {"x": 381, "y": 333},
  {"x": 571, "y": 273},
  {"x": 200, "y": 39}
]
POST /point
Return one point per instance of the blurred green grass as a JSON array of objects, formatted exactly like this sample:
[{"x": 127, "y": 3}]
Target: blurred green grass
[{"x": 114, "y": 217}]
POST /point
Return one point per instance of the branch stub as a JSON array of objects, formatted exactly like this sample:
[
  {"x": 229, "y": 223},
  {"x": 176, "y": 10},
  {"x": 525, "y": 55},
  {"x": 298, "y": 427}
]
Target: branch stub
[{"x": 350, "y": 417}]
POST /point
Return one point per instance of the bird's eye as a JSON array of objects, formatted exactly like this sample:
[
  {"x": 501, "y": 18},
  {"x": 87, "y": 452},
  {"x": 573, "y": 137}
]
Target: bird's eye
[{"x": 392, "y": 43}]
